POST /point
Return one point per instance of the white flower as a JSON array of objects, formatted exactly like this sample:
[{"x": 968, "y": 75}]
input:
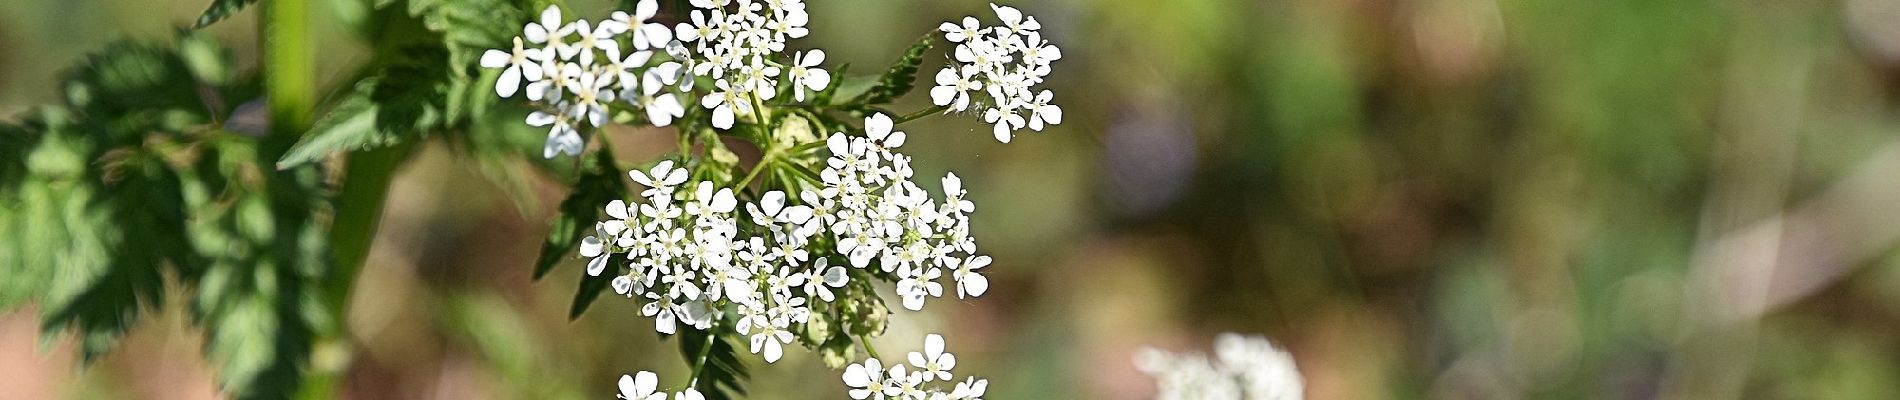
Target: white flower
[
  {"x": 1006, "y": 122},
  {"x": 1041, "y": 111},
  {"x": 970, "y": 389},
  {"x": 594, "y": 38},
  {"x": 689, "y": 394},
  {"x": 959, "y": 33},
  {"x": 771, "y": 210},
  {"x": 641, "y": 386},
  {"x": 933, "y": 361},
  {"x": 968, "y": 280},
  {"x": 661, "y": 179},
  {"x": 723, "y": 106},
  {"x": 878, "y": 128},
  {"x": 663, "y": 318},
  {"x": 954, "y": 85},
  {"x": 915, "y": 285},
  {"x": 771, "y": 340},
  {"x": 824, "y": 278},
  {"x": 1014, "y": 20},
  {"x": 590, "y": 98},
  {"x": 1250, "y": 368},
  {"x": 562, "y": 138},
  {"x": 805, "y": 75},
  {"x": 866, "y": 379},
  {"x": 550, "y": 31},
  {"x": 646, "y": 35},
  {"x": 519, "y": 63}
]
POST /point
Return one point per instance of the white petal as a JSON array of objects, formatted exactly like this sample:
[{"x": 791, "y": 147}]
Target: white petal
[
  {"x": 975, "y": 284},
  {"x": 855, "y": 376},
  {"x": 628, "y": 389},
  {"x": 877, "y": 125},
  {"x": 723, "y": 202},
  {"x": 722, "y": 117},
  {"x": 773, "y": 350},
  {"x": 617, "y": 209},
  {"x": 596, "y": 265},
  {"x": 933, "y": 345},
  {"x": 509, "y": 82},
  {"x": 495, "y": 58},
  {"x": 591, "y": 247}
]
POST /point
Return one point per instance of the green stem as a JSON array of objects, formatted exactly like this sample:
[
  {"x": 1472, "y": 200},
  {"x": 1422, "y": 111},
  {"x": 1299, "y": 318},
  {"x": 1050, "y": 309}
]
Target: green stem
[
  {"x": 290, "y": 93},
  {"x": 763, "y": 163},
  {"x": 919, "y": 114},
  {"x": 705, "y": 350},
  {"x": 867, "y": 346}
]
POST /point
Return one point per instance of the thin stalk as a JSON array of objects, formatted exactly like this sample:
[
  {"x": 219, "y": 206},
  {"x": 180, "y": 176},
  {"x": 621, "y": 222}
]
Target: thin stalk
[
  {"x": 919, "y": 114},
  {"x": 705, "y": 350},
  {"x": 867, "y": 346}
]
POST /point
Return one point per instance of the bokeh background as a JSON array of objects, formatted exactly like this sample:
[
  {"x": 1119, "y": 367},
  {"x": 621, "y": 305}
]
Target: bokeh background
[{"x": 1692, "y": 199}]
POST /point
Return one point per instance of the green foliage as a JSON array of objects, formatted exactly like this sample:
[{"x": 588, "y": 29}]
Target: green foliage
[
  {"x": 424, "y": 81},
  {"x": 350, "y": 126},
  {"x": 721, "y": 375},
  {"x": 899, "y": 79},
  {"x": 219, "y": 10},
  {"x": 133, "y": 175},
  {"x": 598, "y": 184}
]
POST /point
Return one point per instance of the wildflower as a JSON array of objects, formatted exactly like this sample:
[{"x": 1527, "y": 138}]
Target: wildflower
[
  {"x": 646, "y": 34},
  {"x": 805, "y": 75},
  {"x": 518, "y": 64},
  {"x": 1245, "y": 367},
  {"x": 641, "y": 386},
  {"x": 933, "y": 361},
  {"x": 1004, "y": 63}
]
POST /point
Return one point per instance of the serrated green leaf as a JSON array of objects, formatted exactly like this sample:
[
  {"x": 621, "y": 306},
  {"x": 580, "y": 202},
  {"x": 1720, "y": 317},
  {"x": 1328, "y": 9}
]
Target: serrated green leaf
[
  {"x": 598, "y": 184},
  {"x": 219, "y": 10},
  {"x": 350, "y": 126},
  {"x": 900, "y": 78}
]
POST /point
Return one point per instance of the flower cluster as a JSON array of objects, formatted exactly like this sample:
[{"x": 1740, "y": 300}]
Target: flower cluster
[
  {"x": 796, "y": 257},
  {"x": 575, "y": 70},
  {"x": 870, "y": 203},
  {"x": 733, "y": 43},
  {"x": 1244, "y": 367},
  {"x": 645, "y": 385},
  {"x": 690, "y": 253},
  {"x": 869, "y": 379},
  {"x": 1006, "y": 63}
]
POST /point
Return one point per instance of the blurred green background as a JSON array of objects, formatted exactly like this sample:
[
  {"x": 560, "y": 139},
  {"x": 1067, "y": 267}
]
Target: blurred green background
[{"x": 1420, "y": 198}]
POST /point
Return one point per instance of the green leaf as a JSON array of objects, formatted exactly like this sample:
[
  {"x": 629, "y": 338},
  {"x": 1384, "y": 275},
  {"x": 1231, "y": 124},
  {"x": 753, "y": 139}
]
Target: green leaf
[
  {"x": 591, "y": 287},
  {"x": 219, "y": 10},
  {"x": 722, "y": 374},
  {"x": 266, "y": 255},
  {"x": 350, "y": 126},
  {"x": 598, "y": 184},
  {"x": 900, "y": 78}
]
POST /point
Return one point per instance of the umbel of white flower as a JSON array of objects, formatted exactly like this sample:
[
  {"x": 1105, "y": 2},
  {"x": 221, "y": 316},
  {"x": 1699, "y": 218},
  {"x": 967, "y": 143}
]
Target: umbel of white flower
[
  {"x": 692, "y": 253},
  {"x": 1244, "y": 367},
  {"x": 1003, "y": 64},
  {"x": 797, "y": 258}
]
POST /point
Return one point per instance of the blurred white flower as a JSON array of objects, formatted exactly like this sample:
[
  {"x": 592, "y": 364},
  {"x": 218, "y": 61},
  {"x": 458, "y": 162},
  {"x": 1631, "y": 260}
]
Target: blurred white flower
[{"x": 1245, "y": 367}]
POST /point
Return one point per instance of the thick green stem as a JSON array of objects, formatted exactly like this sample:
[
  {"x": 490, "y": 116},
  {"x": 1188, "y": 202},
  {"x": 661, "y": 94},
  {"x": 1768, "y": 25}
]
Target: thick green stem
[{"x": 289, "y": 90}]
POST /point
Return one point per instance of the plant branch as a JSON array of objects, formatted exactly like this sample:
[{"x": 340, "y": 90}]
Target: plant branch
[
  {"x": 705, "y": 351},
  {"x": 919, "y": 114}
]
